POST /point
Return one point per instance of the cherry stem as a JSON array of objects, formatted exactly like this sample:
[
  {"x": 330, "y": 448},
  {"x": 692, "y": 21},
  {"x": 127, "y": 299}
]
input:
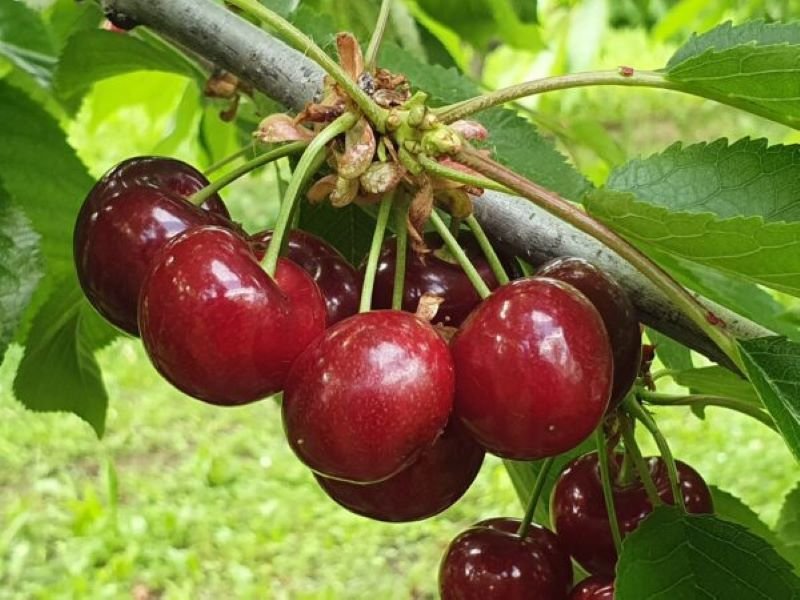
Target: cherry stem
[
  {"x": 374, "y": 253},
  {"x": 434, "y": 167},
  {"x": 536, "y": 493},
  {"x": 401, "y": 230},
  {"x": 310, "y": 161},
  {"x": 608, "y": 493},
  {"x": 371, "y": 57},
  {"x": 229, "y": 159},
  {"x": 635, "y": 409},
  {"x": 632, "y": 449},
  {"x": 566, "y": 211},
  {"x": 703, "y": 400},
  {"x": 300, "y": 41},
  {"x": 488, "y": 250},
  {"x": 460, "y": 256},
  {"x": 625, "y": 475},
  {"x": 262, "y": 159}
]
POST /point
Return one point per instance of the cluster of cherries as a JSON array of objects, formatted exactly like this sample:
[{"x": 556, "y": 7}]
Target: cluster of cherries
[{"x": 392, "y": 419}]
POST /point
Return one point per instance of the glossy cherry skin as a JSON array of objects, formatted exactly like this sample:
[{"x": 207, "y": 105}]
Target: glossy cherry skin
[
  {"x": 337, "y": 279},
  {"x": 595, "y": 587},
  {"x": 579, "y": 514},
  {"x": 533, "y": 369},
  {"x": 617, "y": 311},
  {"x": 432, "y": 483},
  {"x": 217, "y": 326},
  {"x": 364, "y": 400},
  {"x": 433, "y": 275},
  {"x": 490, "y": 561}
]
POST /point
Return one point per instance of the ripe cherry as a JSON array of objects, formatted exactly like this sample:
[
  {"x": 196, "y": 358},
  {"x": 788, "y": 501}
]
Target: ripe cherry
[
  {"x": 619, "y": 316},
  {"x": 431, "y": 484},
  {"x": 595, "y": 587},
  {"x": 490, "y": 561},
  {"x": 338, "y": 281},
  {"x": 579, "y": 514},
  {"x": 217, "y": 326},
  {"x": 364, "y": 400},
  {"x": 533, "y": 369},
  {"x": 437, "y": 274},
  {"x": 125, "y": 220}
]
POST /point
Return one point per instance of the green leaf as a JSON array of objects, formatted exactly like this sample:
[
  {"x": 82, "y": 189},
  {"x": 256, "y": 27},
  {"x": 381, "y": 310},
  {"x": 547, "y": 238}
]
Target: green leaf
[
  {"x": 730, "y": 508},
  {"x": 66, "y": 17},
  {"x": 515, "y": 141},
  {"x": 20, "y": 267},
  {"x": 58, "y": 371},
  {"x": 673, "y": 355},
  {"x": 676, "y": 556},
  {"x": 90, "y": 56},
  {"x": 773, "y": 366},
  {"x": 42, "y": 174},
  {"x": 754, "y": 66},
  {"x": 348, "y": 229},
  {"x": 746, "y": 178},
  {"x": 716, "y": 381},
  {"x": 788, "y": 527},
  {"x": 764, "y": 253},
  {"x": 25, "y": 41}
]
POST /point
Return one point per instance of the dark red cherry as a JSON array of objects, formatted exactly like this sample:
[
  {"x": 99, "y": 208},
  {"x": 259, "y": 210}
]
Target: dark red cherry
[
  {"x": 533, "y": 369},
  {"x": 364, "y": 400},
  {"x": 619, "y": 316},
  {"x": 490, "y": 561},
  {"x": 432, "y": 483},
  {"x": 596, "y": 587},
  {"x": 433, "y": 273},
  {"x": 337, "y": 279},
  {"x": 217, "y": 326},
  {"x": 579, "y": 513}
]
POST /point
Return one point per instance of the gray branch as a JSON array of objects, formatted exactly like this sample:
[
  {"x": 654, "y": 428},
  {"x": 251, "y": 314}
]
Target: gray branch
[{"x": 284, "y": 74}]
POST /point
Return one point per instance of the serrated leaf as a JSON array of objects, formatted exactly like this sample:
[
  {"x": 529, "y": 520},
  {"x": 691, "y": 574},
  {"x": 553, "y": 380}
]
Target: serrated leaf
[
  {"x": 746, "y": 178},
  {"x": 755, "y": 66},
  {"x": 730, "y": 508},
  {"x": 764, "y": 253},
  {"x": 348, "y": 229},
  {"x": 90, "y": 56},
  {"x": 25, "y": 41},
  {"x": 58, "y": 371},
  {"x": 788, "y": 526},
  {"x": 676, "y": 556},
  {"x": 20, "y": 267},
  {"x": 516, "y": 142},
  {"x": 716, "y": 381},
  {"x": 773, "y": 366}
]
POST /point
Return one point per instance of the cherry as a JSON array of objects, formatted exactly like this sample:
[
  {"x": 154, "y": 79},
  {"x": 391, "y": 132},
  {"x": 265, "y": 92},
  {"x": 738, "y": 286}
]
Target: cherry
[
  {"x": 432, "y": 483},
  {"x": 217, "y": 326},
  {"x": 579, "y": 514},
  {"x": 338, "y": 281},
  {"x": 126, "y": 218},
  {"x": 435, "y": 274},
  {"x": 533, "y": 369},
  {"x": 595, "y": 587},
  {"x": 619, "y": 317},
  {"x": 490, "y": 561},
  {"x": 364, "y": 400}
]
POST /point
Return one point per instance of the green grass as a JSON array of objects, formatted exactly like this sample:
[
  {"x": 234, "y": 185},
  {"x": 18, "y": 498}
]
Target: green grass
[{"x": 192, "y": 501}]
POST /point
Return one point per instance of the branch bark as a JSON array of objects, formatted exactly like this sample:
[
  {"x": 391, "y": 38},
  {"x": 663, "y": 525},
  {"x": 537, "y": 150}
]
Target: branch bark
[{"x": 289, "y": 77}]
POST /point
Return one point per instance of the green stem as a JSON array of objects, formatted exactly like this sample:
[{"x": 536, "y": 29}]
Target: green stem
[
  {"x": 635, "y": 78},
  {"x": 488, "y": 250},
  {"x": 564, "y": 210},
  {"x": 300, "y": 41},
  {"x": 458, "y": 253},
  {"x": 377, "y": 36},
  {"x": 311, "y": 159},
  {"x": 536, "y": 493},
  {"x": 701, "y": 400},
  {"x": 201, "y": 196},
  {"x": 401, "y": 229},
  {"x": 635, "y": 410},
  {"x": 437, "y": 169},
  {"x": 374, "y": 253},
  {"x": 632, "y": 450},
  {"x": 608, "y": 494},
  {"x": 228, "y": 159}
]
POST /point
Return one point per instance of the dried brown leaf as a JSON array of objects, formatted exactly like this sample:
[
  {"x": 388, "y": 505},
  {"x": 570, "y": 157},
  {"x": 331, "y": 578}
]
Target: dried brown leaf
[
  {"x": 350, "y": 56},
  {"x": 321, "y": 189},
  {"x": 344, "y": 192},
  {"x": 282, "y": 128},
  {"x": 359, "y": 150},
  {"x": 380, "y": 178}
]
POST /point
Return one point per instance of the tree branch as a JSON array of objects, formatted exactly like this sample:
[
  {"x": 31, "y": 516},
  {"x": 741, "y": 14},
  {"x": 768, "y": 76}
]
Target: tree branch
[{"x": 293, "y": 80}]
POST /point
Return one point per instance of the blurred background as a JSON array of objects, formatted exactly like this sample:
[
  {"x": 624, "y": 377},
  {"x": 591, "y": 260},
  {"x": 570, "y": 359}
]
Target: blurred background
[{"x": 182, "y": 500}]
